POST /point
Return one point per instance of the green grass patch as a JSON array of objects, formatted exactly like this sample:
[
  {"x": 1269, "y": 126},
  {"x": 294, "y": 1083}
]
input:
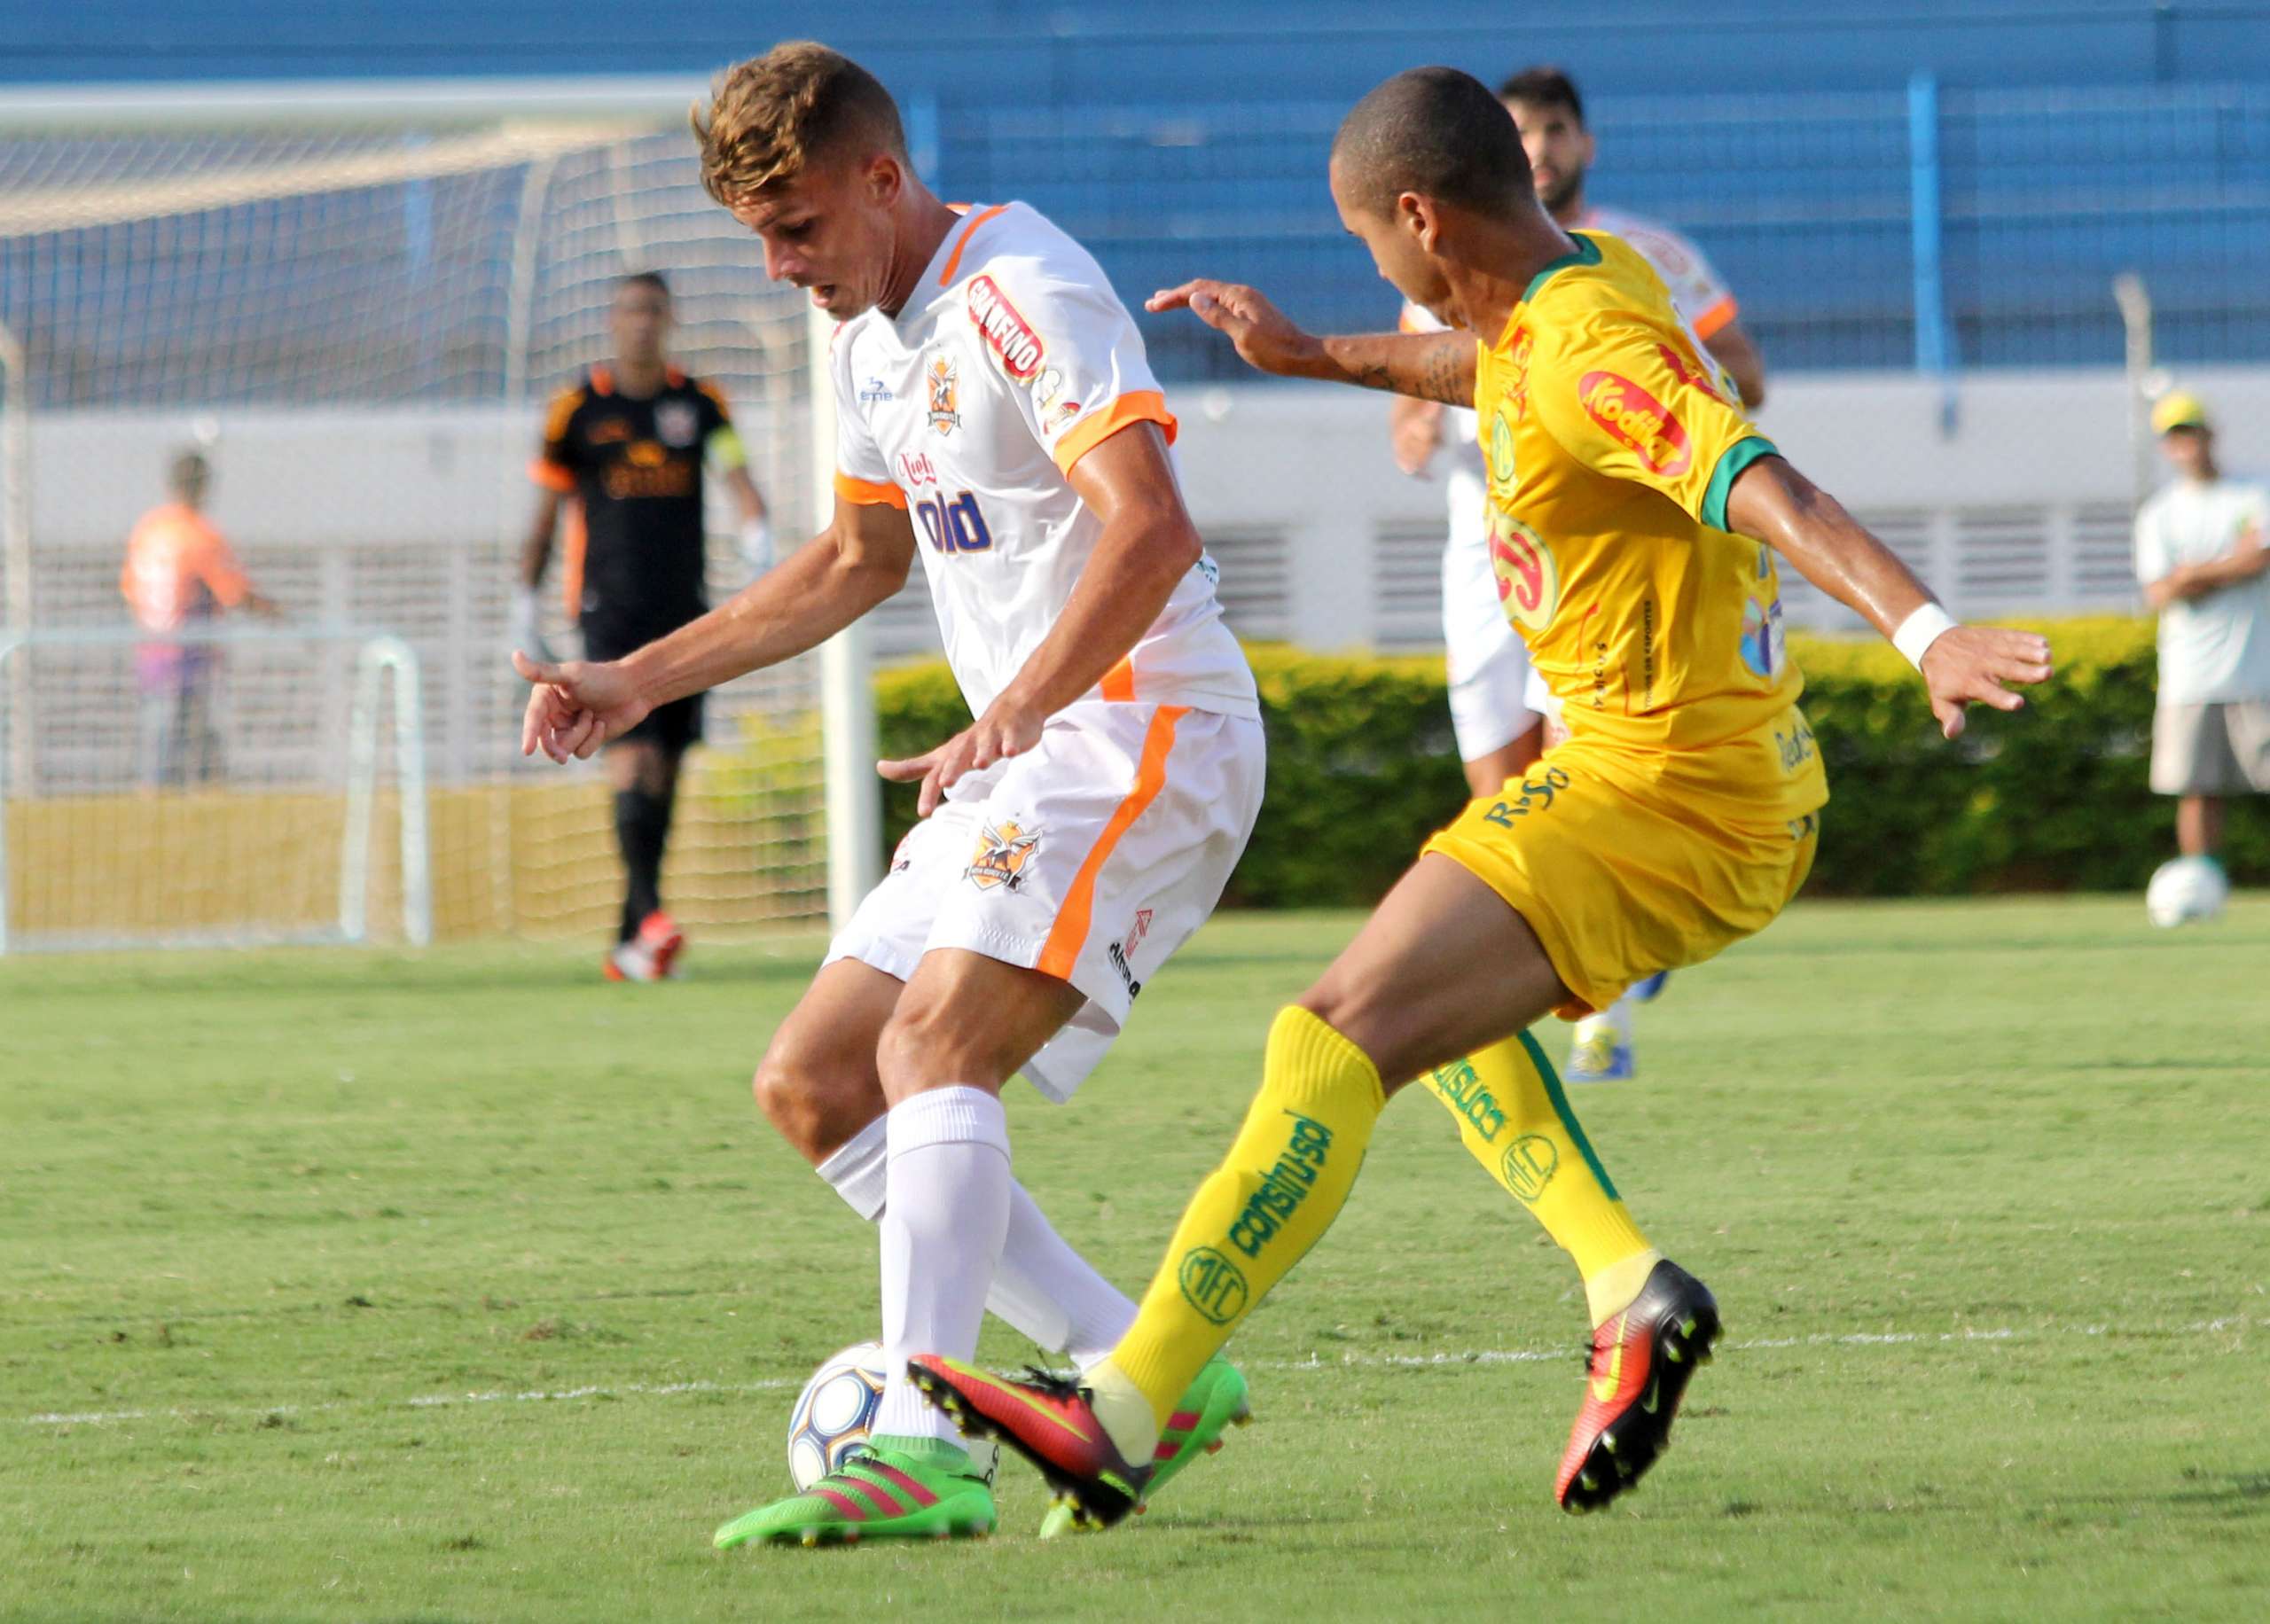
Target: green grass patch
[{"x": 466, "y": 1286}]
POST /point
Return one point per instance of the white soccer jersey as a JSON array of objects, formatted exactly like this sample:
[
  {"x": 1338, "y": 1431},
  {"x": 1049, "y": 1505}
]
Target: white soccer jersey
[{"x": 1012, "y": 360}]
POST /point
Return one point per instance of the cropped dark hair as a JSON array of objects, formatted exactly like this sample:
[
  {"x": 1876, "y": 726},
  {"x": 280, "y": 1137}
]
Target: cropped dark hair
[
  {"x": 1544, "y": 87},
  {"x": 1435, "y": 131}
]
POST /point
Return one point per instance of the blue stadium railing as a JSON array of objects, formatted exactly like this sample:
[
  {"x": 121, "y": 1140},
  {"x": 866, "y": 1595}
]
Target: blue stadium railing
[
  {"x": 1808, "y": 205},
  {"x": 1936, "y": 228}
]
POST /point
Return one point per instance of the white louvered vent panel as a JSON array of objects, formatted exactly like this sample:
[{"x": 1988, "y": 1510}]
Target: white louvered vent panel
[
  {"x": 2104, "y": 555},
  {"x": 1257, "y": 584},
  {"x": 2002, "y": 556},
  {"x": 1407, "y": 586}
]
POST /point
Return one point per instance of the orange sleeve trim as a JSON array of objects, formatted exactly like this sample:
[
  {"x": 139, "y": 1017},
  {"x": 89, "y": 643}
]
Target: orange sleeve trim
[
  {"x": 953, "y": 259},
  {"x": 1716, "y": 317},
  {"x": 1138, "y": 406},
  {"x": 552, "y": 476},
  {"x": 1119, "y": 681},
  {"x": 1408, "y": 321},
  {"x": 1070, "y": 934},
  {"x": 869, "y": 493}
]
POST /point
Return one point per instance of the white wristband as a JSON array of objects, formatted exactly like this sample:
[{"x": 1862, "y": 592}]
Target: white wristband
[{"x": 1919, "y": 630}]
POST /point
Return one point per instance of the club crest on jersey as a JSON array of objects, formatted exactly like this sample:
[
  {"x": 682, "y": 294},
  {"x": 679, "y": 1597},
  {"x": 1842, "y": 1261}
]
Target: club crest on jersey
[
  {"x": 1501, "y": 447},
  {"x": 943, "y": 380},
  {"x": 1002, "y": 856},
  {"x": 1529, "y": 583},
  {"x": 677, "y": 423},
  {"x": 1636, "y": 418},
  {"x": 1007, "y": 334}
]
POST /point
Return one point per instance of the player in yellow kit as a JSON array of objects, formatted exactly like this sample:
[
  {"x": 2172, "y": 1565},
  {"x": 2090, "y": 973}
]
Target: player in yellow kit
[{"x": 1634, "y": 519}]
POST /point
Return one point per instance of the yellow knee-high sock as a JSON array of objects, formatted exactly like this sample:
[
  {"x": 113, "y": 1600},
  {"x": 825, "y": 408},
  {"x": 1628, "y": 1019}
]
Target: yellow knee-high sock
[
  {"x": 1287, "y": 1173},
  {"x": 1516, "y": 1121}
]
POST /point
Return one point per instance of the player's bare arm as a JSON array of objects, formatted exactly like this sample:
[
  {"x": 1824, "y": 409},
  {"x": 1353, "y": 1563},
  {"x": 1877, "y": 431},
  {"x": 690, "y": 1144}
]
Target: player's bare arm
[
  {"x": 1772, "y": 502},
  {"x": 2246, "y": 560},
  {"x": 745, "y": 497},
  {"x": 1733, "y": 349},
  {"x": 536, "y": 552},
  {"x": 1429, "y": 366},
  {"x": 824, "y": 585},
  {"x": 1147, "y": 544},
  {"x": 1414, "y": 432}
]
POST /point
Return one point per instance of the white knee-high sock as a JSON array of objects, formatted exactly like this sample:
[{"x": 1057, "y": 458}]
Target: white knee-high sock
[
  {"x": 945, "y": 1215},
  {"x": 1043, "y": 1288}
]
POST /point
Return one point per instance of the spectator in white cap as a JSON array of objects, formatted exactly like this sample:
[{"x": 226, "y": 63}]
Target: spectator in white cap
[{"x": 2201, "y": 559}]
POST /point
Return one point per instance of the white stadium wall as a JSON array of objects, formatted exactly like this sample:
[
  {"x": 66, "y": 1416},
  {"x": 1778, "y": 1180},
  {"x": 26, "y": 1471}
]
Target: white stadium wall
[{"x": 2023, "y": 509}]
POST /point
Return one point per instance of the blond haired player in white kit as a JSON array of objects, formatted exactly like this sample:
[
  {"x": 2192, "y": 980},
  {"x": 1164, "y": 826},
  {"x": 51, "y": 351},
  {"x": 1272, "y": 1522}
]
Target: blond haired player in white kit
[
  {"x": 1498, "y": 709},
  {"x": 996, "y": 416}
]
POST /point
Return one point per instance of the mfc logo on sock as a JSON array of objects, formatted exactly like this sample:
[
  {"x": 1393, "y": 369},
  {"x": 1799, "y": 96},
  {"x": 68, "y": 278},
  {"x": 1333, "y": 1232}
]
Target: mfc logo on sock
[
  {"x": 1212, "y": 1284},
  {"x": 1284, "y": 1187},
  {"x": 1528, "y": 1165}
]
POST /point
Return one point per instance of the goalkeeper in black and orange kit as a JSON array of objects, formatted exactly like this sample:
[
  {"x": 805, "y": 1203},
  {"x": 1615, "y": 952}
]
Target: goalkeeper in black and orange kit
[
  {"x": 1637, "y": 526},
  {"x": 622, "y": 457}
]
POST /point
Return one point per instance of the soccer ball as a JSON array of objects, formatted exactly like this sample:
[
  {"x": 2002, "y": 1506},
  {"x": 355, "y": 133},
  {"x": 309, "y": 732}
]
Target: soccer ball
[
  {"x": 2186, "y": 888},
  {"x": 836, "y": 1411}
]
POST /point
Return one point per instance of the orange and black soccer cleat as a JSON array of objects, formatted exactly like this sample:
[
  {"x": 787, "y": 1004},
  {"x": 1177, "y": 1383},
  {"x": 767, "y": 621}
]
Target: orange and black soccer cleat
[
  {"x": 1641, "y": 1362},
  {"x": 1047, "y": 1420}
]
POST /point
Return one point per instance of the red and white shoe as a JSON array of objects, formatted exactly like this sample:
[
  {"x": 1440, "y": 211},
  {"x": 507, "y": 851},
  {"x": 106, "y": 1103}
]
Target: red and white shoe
[
  {"x": 660, "y": 935},
  {"x": 650, "y": 955}
]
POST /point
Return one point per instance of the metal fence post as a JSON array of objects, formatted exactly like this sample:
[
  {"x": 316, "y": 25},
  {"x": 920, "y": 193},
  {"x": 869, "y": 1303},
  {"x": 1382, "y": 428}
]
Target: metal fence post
[{"x": 1933, "y": 341}]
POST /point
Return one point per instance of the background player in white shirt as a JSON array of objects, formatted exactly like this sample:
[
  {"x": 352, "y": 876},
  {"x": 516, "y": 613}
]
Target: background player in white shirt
[
  {"x": 998, "y": 417},
  {"x": 1498, "y": 709},
  {"x": 2202, "y": 561}
]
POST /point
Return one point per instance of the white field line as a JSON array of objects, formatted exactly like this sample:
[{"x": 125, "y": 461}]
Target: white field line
[{"x": 1382, "y": 1361}]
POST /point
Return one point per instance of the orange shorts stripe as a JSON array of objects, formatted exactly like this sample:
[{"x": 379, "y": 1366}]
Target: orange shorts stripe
[
  {"x": 1119, "y": 681},
  {"x": 1071, "y": 932}
]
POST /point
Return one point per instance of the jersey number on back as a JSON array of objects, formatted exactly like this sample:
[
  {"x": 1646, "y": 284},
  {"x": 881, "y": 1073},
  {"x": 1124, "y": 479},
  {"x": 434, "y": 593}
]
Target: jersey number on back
[{"x": 955, "y": 526}]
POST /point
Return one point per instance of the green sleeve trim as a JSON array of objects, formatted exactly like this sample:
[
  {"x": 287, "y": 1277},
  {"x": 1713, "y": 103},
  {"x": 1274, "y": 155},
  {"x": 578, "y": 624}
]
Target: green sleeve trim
[
  {"x": 1560, "y": 1102},
  {"x": 1738, "y": 456},
  {"x": 1587, "y": 253}
]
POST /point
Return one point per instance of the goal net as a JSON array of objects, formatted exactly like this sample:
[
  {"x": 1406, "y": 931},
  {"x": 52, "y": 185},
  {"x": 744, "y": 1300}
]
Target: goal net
[{"x": 357, "y": 311}]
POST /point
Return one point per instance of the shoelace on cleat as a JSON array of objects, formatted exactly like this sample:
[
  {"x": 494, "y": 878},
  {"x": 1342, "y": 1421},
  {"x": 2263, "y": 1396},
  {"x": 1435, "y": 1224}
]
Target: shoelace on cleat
[{"x": 1050, "y": 1383}]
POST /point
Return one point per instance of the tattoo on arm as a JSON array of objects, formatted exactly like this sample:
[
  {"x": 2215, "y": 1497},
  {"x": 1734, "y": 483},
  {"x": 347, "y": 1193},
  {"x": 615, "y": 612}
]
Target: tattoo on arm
[{"x": 1434, "y": 366}]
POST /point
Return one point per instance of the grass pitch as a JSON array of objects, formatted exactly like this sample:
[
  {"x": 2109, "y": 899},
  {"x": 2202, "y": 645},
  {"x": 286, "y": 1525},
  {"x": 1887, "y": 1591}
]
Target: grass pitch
[{"x": 351, "y": 1285}]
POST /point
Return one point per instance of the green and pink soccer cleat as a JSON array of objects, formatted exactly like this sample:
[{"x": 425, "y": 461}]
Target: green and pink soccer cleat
[{"x": 895, "y": 1489}]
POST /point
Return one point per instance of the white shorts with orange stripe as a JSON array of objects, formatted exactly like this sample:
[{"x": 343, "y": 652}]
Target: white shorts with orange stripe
[{"x": 1092, "y": 857}]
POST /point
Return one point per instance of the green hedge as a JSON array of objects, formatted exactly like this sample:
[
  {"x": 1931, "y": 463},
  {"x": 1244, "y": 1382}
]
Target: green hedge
[{"x": 1362, "y": 768}]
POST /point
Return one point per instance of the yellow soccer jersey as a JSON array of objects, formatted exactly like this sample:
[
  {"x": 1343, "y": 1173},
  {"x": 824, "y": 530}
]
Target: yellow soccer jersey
[{"x": 1611, "y": 446}]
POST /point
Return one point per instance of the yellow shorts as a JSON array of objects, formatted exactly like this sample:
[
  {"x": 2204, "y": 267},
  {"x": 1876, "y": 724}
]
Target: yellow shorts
[{"x": 1619, "y": 882}]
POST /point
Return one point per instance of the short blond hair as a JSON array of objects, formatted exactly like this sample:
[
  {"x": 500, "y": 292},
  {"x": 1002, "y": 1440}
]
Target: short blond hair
[{"x": 770, "y": 117}]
